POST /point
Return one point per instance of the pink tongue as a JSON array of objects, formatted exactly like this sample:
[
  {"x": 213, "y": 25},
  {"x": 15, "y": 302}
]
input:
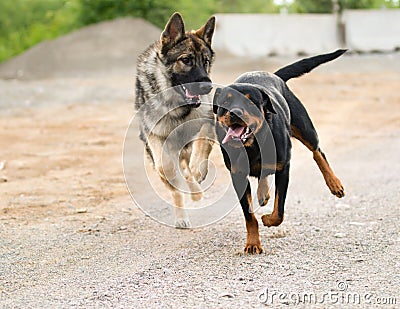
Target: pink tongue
[
  {"x": 237, "y": 132},
  {"x": 190, "y": 95}
]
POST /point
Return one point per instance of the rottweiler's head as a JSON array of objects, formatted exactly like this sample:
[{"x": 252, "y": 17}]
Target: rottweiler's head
[{"x": 242, "y": 109}]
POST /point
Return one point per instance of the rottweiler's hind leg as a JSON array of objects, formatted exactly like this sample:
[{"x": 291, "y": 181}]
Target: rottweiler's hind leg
[
  {"x": 308, "y": 136},
  {"x": 303, "y": 130},
  {"x": 334, "y": 184}
]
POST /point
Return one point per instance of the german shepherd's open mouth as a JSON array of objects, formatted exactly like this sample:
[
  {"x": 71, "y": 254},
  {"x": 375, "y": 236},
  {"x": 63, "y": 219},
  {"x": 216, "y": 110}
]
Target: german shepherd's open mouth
[
  {"x": 190, "y": 98},
  {"x": 191, "y": 92}
]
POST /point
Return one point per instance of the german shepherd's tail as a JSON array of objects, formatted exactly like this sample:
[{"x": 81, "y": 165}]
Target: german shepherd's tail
[{"x": 306, "y": 65}]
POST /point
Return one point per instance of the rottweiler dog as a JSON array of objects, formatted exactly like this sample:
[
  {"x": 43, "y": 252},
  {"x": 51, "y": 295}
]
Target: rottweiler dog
[{"x": 256, "y": 117}]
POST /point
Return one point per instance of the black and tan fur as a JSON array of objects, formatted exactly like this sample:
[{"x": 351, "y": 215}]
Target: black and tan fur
[
  {"x": 256, "y": 117},
  {"x": 181, "y": 60}
]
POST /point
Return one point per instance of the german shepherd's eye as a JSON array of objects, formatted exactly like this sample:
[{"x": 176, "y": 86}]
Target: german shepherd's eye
[{"x": 186, "y": 61}]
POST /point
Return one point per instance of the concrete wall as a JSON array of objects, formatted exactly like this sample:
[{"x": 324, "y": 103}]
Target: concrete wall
[
  {"x": 372, "y": 30},
  {"x": 259, "y": 35}
]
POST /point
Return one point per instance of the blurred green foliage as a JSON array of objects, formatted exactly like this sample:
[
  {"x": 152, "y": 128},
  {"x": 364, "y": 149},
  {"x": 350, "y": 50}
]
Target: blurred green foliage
[
  {"x": 155, "y": 11},
  {"x": 326, "y": 6},
  {"x": 195, "y": 13},
  {"x": 24, "y": 23}
]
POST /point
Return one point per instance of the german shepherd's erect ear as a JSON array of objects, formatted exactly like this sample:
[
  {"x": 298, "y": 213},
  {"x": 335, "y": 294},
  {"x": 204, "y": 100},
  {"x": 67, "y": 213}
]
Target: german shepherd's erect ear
[
  {"x": 206, "y": 32},
  {"x": 174, "y": 30}
]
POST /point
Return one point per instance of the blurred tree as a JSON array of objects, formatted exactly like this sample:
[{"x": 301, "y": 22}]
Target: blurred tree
[
  {"x": 195, "y": 13},
  {"x": 359, "y": 4},
  {"x": 25, "y": 23},
  {"x": 312, "y": 6},
  {"x": 326, "y": 6},
  {"x": 246, "y": 6},
  {"x": 155, "y": 11}
]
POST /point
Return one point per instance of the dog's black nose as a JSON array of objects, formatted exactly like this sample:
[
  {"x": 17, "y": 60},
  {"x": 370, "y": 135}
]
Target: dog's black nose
[
  {"x": 236, "y": 113},
  {"x": 205, "y": 88}
]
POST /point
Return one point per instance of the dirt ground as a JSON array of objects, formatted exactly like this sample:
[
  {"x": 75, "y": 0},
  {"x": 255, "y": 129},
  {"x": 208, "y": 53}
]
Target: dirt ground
[{"x": 71, "y": 236}]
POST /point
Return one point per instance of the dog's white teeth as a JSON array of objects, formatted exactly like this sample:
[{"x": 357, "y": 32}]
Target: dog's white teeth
[{"x": 246, "y": 134}]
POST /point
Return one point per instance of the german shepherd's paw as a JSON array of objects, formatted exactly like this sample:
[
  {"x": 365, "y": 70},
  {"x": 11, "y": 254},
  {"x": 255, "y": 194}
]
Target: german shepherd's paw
[
  {"x": 200, "y": 171},
  {"x": 271, "y": 220},
  {"x": 196, "y": 192},
  {"x": 197, "y": 196},
  {"x": 182, "y": 223},
  {"x": 255, "y": 248}
]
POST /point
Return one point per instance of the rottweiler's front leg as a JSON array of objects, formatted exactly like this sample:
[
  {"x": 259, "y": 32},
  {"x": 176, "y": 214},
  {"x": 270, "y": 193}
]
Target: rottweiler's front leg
[
  {"x": 281, "y": 184},
  {"x": 243, "y": 191}
]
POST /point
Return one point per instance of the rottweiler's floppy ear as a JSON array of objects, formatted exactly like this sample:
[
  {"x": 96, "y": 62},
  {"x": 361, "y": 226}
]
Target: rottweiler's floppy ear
[
  {"x": 267, "y": 101},
  {"x": 215, "y": 100},
  {"x": 207, "y": 31},
  {"x": 174, "y": 30}
]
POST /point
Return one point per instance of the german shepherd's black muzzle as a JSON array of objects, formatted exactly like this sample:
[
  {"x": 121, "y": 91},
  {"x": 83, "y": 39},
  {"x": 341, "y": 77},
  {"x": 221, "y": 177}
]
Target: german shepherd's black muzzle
[{"x": 200, "y": 84}]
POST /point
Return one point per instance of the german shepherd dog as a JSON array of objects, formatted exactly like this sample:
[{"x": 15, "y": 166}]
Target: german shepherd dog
[
  {"x": 172, "y": 74},
  {"x": 245, "y": 110}
]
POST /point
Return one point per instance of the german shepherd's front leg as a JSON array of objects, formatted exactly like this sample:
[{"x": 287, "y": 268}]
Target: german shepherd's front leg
[
  {"x": 263, "y": 195},
  {"x": 195, "y": 190},
  {"x": 202, "y": 147},
  {"x": 167, "y": 166},
  {"x": 243, "y": 191},
  {"x": 281, "y": 185}
]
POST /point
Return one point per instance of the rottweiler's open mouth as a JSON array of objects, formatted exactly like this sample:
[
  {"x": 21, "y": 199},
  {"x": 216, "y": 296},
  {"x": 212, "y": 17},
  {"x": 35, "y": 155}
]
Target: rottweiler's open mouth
[
  {"x": 238, "y": 133},
  {"x": 190, "y": 98}
]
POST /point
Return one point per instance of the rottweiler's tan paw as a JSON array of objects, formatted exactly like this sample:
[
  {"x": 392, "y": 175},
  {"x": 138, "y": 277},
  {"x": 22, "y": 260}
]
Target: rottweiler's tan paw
[
  {"x": 336, "y": 187},
  {"x": 271, "y": 220},
  {"x": 253, "y": 248}
]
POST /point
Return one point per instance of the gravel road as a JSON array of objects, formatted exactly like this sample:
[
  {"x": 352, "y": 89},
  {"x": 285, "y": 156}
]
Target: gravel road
[{"x": 70, "y": 235}]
